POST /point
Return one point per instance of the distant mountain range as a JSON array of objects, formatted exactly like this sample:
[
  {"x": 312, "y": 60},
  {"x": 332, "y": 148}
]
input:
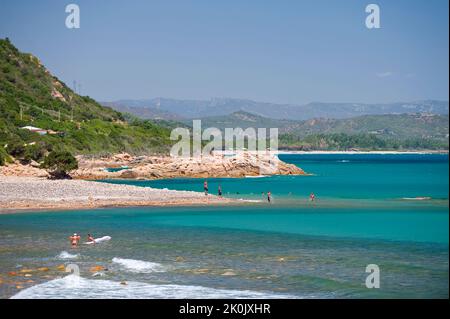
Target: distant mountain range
[
  {"x": 172, "y": 109},
  {"x": 148, "y": 113}
]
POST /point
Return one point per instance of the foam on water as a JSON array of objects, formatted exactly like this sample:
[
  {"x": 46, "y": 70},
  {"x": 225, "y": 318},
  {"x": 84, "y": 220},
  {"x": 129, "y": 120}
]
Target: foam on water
[
  {"x": 73, "y": 287},
  {"x": 65, "y": 255},
  {"x": 250, "y": 200},
  {"x": 139, "y": 266}
]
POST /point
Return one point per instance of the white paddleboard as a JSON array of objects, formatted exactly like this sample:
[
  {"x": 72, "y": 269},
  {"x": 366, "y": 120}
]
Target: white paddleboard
[{"x": 98, "y": 240}]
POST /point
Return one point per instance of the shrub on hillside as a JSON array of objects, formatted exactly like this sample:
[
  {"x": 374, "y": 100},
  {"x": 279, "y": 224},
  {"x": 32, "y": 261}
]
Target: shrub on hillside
[
  {"x": 35, "y": 152},
  {"x": 16, "y": 149},
  {"x": 59, "y": 164},
  {"x": 2, "y": 159}
]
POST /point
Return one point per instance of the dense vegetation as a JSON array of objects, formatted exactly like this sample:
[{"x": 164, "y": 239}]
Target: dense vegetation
[
  {"x": 344, "y": 142},
  {"x": 60, "y": 163},
  {"x": 31, "y": 96}
]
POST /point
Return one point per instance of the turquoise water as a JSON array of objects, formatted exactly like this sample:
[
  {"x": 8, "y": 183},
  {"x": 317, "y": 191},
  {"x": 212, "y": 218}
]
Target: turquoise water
[
  {"x": 291, "y": 248},
  {"x": 337, "y": 177}
]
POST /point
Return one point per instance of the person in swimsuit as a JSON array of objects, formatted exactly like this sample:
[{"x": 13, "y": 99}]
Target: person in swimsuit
[
  {"x": 90, "y": 238},
  {"x": 205, "y": 187},
  {"x": 220, "y": 191},
  {"x": 312, "y": 197},
  {"x": 269, "y": 197},
  {"x": 74, "y": 239}
]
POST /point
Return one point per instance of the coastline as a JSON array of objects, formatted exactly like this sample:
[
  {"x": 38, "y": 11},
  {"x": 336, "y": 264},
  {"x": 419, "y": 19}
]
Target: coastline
[{"x": 22, "y": 194}]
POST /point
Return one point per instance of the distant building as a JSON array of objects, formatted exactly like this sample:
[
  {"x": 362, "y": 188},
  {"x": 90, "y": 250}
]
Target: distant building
[
  {"x": 41, "y": 131},
  {"x": 38, "y": 130}
]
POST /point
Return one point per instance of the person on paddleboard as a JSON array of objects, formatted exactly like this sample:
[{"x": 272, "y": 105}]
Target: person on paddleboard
[{"x": 74, "y": 239}]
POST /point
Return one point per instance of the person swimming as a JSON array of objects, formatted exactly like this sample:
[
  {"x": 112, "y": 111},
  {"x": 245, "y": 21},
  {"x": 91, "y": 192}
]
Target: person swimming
[
  {"x": 90, "y": 238},
  {"x": 74, "y": 239}
]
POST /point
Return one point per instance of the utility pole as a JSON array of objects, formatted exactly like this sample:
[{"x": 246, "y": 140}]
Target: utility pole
[{"x": 71, "y": 106}]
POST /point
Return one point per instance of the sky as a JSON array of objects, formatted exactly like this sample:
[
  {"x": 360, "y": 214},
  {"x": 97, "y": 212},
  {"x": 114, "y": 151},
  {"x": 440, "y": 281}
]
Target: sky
[{"x": 284, "y": 51}]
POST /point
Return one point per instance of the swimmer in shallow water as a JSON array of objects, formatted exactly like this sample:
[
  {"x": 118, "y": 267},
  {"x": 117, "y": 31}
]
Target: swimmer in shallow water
[
  {"x": 205, "y": 187},
  {"x": 74, "y": 239},
  {"x": 90, "y": 238}
]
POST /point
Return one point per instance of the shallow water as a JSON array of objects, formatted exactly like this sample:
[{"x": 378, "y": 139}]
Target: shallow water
[{"x": 290, "y": 249}]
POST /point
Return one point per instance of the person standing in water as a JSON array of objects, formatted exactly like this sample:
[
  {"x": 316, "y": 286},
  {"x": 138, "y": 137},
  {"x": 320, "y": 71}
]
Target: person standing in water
[
  {"x": 312, "y": 197},
  {"x": 269, "y": 197},
  {"x": 74, "y": 239},
  {"x": 205, "y": 187},
  {"x": 219, "y": 191}
]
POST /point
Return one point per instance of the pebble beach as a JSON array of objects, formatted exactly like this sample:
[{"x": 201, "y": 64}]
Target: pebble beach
[{"x": 33, "y": 193}]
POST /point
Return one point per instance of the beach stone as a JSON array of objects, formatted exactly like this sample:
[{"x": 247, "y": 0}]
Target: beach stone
[
  {"x": 95, "y": 269},
  {"x": 128, "y": 174},
  {"x": 200, "y": 271},
  {"x": 229, "y": 273},
  {"x": 26, "y": 270}
]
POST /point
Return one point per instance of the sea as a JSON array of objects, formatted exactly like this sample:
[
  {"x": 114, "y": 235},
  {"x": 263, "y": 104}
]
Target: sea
[{"x": 388, "y": 211}]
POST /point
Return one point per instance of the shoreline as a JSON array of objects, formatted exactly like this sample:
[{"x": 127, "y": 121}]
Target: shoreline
[{"x": 26, "y": 194}]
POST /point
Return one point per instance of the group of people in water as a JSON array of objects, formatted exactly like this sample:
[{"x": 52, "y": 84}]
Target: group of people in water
[
  {"x": 312, "y": 196},
  {"x": 75, "y": 239},
  {"x": 205, "y": 188}
]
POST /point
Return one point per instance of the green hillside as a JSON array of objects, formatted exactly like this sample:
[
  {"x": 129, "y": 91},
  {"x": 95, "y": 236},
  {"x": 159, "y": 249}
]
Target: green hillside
[
  {"x": 391, "y": 131},
  {"x": 31, "y": 96}
]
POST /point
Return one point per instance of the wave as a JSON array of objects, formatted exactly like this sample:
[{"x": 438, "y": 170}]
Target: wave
[
  {"x": 139, "y": 266},
  {"x": 258, "y": 176},
  {"x": 250, "y": 200},
  {"x": 74, "y": 287},
  {"x": 417, "y": 198},
  {"x": 65, "y": 255}
]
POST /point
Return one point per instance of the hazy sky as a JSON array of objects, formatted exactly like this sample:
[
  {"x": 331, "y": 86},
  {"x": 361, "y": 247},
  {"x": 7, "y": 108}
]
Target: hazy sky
[{"x": 275, "y": 51}]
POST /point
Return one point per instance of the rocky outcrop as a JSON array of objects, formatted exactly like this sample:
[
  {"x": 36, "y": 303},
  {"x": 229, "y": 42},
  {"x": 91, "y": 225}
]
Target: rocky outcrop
[
  {"x": 151, "y": 167},
  {"x": 158, "y": 167},
  {"x": 18, "y": 169}
]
